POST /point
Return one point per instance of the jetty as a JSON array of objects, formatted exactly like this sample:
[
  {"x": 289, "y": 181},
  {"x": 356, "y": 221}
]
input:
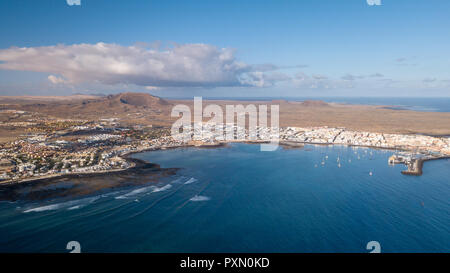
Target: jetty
[{"x": 414, "y": 164}]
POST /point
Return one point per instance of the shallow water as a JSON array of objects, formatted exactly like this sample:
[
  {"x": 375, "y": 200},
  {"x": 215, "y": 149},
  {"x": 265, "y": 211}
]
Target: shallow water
[{"x": 238, "y": 199}]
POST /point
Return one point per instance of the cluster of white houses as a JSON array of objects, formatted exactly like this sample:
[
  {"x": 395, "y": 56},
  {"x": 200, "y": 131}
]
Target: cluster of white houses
[
  {"x": 210, "y": 133},
  {"x": 37, "y": 157},
  {"x": 324, "y": 135}
]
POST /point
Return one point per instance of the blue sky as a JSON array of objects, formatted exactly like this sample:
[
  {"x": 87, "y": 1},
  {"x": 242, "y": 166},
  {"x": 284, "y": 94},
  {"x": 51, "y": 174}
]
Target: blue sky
[{"x": 226, "y": 48}]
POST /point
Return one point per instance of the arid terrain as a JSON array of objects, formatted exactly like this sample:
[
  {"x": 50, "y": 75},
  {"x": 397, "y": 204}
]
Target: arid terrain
[{"x": 144, "y": 109}]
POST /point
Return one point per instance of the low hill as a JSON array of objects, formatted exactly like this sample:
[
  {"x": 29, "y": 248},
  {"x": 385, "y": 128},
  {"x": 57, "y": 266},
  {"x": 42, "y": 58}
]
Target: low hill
[
  {"x": 137, "y": 99},
  {"x": 314, "y": 103},
  {"x": 128, "y": 106}
]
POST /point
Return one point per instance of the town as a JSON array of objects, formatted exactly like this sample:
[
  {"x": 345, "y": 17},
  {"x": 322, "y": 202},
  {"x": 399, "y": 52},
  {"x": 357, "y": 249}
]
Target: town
[{"x": 64, "y": 147}]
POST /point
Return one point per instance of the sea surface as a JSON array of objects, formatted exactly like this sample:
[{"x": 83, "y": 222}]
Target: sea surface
[
  {"x": 399, "y": 103},
  {"x": 239, "y": 199}
]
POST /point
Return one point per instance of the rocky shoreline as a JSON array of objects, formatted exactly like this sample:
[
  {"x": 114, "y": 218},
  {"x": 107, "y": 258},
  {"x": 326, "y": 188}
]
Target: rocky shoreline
[{"x": 84, "y": 184}]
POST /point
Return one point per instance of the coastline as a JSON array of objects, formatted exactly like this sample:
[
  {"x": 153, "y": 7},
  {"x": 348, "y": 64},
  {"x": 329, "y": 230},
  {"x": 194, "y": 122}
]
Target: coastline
[
  {"x": 137, "y": 164},
  {"x": 299, "y": 145}
]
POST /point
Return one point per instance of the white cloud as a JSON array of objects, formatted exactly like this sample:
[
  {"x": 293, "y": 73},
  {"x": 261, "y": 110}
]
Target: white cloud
[
  {"x": 320, "y": 82},
  {"x": 56, "y": 80},
  {"x": 151, "y": 88},
  {"x": 311, "y": 82},
  {"x": 261, "y": 79},
  {"x": 182, "y": 65}
]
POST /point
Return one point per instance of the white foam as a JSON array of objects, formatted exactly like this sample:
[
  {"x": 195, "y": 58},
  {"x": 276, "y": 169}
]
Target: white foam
[
  {"x": 199, "y": 198},
  {"x": 191, "y": 180},
  {"x": 111, "y": 193},
  {"x": 43, "y": 208},
  {"x": 166, "y": 187},
  {"x": 147, "y": 190},
  {"x": 141, "y": 190},
  {"x": 135, "y": 192},
  {"x": 73, "y": 204}
]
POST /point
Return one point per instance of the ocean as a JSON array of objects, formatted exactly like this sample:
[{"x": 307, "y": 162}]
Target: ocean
[
  {"x": 400, "y": 103},
  {"x": 239, "y": 199}
]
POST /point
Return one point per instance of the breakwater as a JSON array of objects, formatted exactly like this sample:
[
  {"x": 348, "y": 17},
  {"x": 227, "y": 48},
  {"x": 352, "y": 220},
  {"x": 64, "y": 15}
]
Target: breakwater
[{"x": 415, "y": 167}]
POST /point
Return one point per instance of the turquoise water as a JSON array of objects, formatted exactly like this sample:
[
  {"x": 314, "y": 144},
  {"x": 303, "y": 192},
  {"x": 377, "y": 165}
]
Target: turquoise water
[{"x": 238, "y": 199}]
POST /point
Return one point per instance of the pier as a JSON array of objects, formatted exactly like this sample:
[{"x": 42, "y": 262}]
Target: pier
[{"x": 415, "y": 166}]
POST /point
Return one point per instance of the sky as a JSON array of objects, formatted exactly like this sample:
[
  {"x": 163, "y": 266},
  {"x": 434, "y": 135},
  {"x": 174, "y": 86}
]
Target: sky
[{"x": 218, "y": 48}]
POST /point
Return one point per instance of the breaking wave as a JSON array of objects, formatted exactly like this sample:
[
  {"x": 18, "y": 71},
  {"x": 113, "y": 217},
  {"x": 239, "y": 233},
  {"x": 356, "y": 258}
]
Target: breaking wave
[
  {"x": 70, "y": 205},
  {"x": 135, "y": 192},
  {"x": 166, "y": 187},
  {"x": 191, "y": 180},
  {"x": 199, "y": 198},
  {"x": 143, "y": 190}
]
